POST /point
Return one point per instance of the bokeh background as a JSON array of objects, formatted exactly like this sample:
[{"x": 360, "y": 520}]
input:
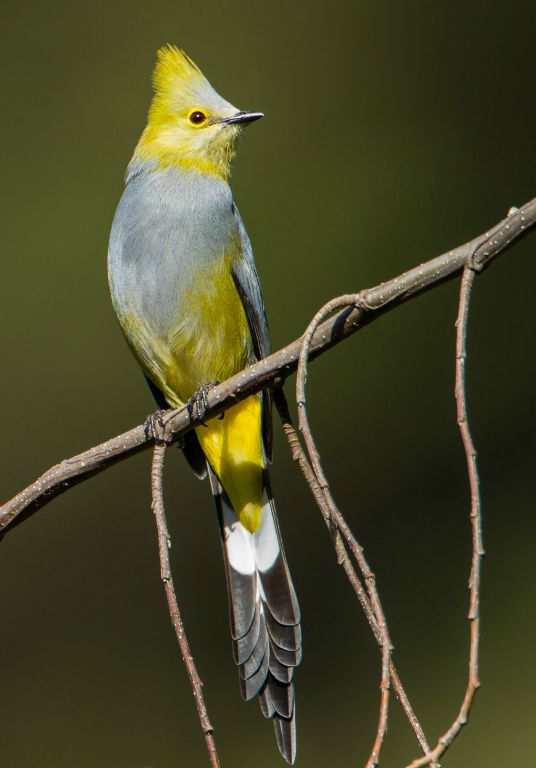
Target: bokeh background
[{"x": 392, "y": 132}]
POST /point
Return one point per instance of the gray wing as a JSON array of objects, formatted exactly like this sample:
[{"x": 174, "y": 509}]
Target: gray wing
[{"x": 248, "y": 286}]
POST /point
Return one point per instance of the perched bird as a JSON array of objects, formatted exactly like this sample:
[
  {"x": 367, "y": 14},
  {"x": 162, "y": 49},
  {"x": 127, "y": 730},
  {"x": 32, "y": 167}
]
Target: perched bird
[{"x": 187, "y": 295}]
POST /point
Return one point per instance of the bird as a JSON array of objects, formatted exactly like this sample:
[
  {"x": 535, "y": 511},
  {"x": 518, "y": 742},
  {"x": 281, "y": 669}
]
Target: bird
[{"x": 185, "y": 289}]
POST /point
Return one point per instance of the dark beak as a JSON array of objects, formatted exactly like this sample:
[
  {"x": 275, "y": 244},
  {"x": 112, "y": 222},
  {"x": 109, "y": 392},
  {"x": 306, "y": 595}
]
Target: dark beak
[{"x": 243, "y": 117}]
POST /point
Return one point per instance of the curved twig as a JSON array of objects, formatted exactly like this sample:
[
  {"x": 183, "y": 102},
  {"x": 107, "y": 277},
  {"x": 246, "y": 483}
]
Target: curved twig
[
  {"x": 373, "y": 303},
  {"x": 473, "y": 682},
  {"x": 344, "y": 560},
  {"x": 164, "y": 544},
  {"x": 336, "y": 517}
]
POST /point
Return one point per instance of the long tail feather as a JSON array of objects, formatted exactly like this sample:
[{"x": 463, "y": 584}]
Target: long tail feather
[{"x": 264, "y": 612}]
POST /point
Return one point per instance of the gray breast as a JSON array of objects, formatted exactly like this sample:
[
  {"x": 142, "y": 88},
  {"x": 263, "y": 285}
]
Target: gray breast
[{"x": 168, "y": 224}]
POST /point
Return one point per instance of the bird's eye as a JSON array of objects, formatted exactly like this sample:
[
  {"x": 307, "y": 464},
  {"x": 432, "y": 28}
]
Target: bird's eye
[{"x": 197, "y": 117}]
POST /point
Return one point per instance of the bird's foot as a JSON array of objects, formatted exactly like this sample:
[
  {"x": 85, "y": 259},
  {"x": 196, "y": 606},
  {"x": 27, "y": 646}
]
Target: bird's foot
[
  {"x": 198, "y": 403},
  {"x": 155, "y": 428}
]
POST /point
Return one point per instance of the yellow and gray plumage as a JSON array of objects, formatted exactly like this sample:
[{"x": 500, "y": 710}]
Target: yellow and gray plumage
[{"x": 187, "y": 295}]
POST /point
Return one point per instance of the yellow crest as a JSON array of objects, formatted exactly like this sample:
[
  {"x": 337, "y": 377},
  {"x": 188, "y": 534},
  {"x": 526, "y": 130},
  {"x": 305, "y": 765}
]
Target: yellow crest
[{"x": 173, "y": 67}]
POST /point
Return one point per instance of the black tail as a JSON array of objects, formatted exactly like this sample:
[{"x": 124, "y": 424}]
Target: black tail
[{"x": 265, "y": 617}]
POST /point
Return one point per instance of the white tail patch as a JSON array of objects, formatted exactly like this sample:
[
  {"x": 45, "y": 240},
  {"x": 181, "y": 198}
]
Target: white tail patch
[
  {"x": 265, "y": 538},
  {"x": 247, "y": 551},
  {"x": 238, "y": 542}
]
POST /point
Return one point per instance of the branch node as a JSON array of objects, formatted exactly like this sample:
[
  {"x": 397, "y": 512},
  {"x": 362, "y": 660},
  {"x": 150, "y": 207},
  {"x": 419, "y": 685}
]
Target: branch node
[{"x": 340, "y": 549}]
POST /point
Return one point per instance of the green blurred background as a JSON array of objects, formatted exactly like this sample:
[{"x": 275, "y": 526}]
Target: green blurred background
[{"x": 393, "y": 131}]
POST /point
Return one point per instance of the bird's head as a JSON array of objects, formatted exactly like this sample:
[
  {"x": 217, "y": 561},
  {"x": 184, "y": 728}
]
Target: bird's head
[{"x": 189, "y": 124}]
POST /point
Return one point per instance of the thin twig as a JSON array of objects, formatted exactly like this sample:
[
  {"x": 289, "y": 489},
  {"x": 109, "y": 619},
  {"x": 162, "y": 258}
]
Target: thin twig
[
  {"x": 337, "y": 518},
  {"x": 373, "y": 303},
  {"x": 164, "y": 544},
  {"x": 473, "y": 682},
  {"x": 343, "y": 558}
]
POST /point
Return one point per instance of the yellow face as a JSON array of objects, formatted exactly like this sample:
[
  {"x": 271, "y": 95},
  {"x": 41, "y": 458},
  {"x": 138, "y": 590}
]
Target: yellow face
[{"x": 189, "y": 124}]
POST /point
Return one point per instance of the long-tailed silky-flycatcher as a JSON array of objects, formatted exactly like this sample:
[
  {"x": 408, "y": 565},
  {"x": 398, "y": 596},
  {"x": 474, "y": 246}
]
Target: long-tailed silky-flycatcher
[{"x": 186, "y": 292}]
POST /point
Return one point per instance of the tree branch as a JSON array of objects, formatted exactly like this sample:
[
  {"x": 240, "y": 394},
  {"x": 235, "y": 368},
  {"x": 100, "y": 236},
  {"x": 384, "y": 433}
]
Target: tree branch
[{"x": 372, "y": 303}]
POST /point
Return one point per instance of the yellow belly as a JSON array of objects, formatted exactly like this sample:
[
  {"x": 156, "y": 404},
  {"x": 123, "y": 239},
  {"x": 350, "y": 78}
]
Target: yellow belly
[{"x": 211, "y": 340}]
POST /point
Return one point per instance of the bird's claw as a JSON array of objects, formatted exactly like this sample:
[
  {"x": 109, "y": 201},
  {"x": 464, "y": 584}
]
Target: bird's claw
[
  {"x": 155, "y": 428},
  {"x": 198, "y": 403}
]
